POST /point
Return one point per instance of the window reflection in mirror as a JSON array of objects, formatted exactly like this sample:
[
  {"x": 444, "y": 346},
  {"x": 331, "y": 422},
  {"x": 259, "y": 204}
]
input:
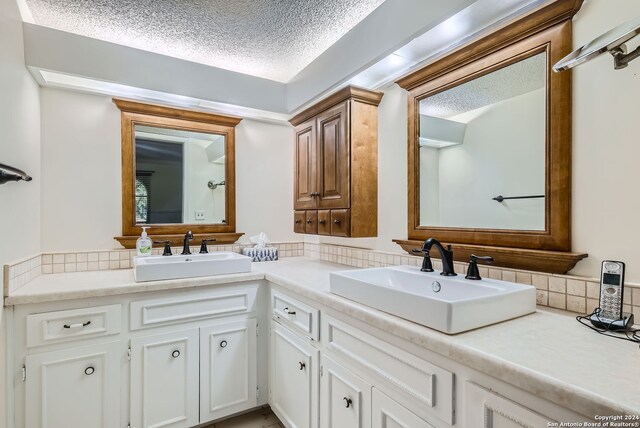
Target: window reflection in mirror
[
  {"x": 180, "y": 176},
  {"x": 482, "y": 140}
]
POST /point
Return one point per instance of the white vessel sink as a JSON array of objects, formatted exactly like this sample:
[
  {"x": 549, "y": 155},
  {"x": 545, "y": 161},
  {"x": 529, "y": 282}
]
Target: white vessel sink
[
  {"x": 459, "y": 305},
  {"x": 154, "y": 268}
]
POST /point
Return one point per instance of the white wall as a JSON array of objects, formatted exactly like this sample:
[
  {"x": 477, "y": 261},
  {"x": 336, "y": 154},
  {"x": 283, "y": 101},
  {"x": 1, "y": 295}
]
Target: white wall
[
  {"x": 81, "y": 188},
  {"x": 81, "y": 196},
  {"x": 19, "y": 147}
]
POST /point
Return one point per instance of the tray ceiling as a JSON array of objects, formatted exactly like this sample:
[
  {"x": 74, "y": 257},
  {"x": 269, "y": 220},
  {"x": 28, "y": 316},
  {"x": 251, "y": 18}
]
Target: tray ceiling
[{"x": 272, "y": 39}]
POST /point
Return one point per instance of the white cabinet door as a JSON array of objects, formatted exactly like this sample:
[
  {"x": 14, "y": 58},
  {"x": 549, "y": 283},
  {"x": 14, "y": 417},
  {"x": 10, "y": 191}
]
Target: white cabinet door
[
  {"x": 387, "y": 413},
  {"x": 488, "y": 410},
  {"x": 74, "y": 388},
  {"x": 228, "y": 369},
  {"x": 164, "y": 380},
  {"x": 293, "y": 379},
  {"x": 345, "y": 399}
]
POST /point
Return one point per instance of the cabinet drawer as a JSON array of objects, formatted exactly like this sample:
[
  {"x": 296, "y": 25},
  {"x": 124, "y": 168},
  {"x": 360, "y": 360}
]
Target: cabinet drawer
[
  {"x": 295, "y": 314},
  {"x": 324, "y": 222},
  {"x": 152, "y": 313},
  {"x": 424, "y": 388},
  {"x": 63, "y": 326},
  {"x": 299, "y": 218},
  {"x": 311, "y": 223},
  {"x": 340, "y": 222}
]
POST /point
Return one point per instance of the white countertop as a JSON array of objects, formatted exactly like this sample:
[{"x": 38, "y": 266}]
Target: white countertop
[{"x": 548, "y": 354}]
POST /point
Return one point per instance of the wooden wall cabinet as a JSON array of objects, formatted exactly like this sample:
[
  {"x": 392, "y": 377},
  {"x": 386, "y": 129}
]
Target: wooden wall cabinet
[{"x": 336, "y": 165}]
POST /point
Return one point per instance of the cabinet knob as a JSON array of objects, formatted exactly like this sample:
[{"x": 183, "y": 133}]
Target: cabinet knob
[
  {"x": 347, "y": 402},
  {"x": 298, "y": 221},
  {"x": 89, "y": 370},
  {"x": 336, "y": 221},
  {"x": 223, "y": 344},
  {"x": 302, "y": 365},
  {"x": 288, "y": 311},
  {"x": 309, "y": 221},
  {"x": 322, "y": 222},
  {"x": 175, "y": 354}
]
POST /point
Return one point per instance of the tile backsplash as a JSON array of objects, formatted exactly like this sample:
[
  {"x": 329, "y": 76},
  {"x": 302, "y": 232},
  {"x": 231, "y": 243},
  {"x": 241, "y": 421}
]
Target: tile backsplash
[{"x": 571, "y": 293}]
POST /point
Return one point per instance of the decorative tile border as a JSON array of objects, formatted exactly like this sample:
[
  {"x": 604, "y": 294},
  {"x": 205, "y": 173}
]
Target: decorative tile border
[
  {"x": 571, "y": 293},
  {"x": 19, "y": 273}
]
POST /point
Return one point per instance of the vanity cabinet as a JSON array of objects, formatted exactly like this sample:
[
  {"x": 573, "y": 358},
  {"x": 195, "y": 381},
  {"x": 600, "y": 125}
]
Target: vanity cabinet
[
  {"x": 336, "y": 165},
  {"x": 164, "y": 380},
  {"x": 345, "y": 399},
  {"x": 176, "y": 358},
  {"x": 228, "y": 369},
  {"x": 85, "y": 379},
  {"x": 293, "y": 380}
]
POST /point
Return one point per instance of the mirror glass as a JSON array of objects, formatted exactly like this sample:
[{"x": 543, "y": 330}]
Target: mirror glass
[
  {"x": 180, "y": 176},
  {"x": 483, "y": 151}
]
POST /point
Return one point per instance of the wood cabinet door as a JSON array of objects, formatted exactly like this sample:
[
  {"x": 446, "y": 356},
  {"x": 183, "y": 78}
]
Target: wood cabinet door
[
  {"x": 74, "y": 388},
  {"x": 484, "y": 409},
  {"x": 311, "y": 222},
  {"x": 387, "y": 413},
  {"x": 324, "y": 222},
  {"x": 293, "y": 379},
  {"x": 306, "y": 175},
  {"x": 299, "y": 221},
  {"x": 334, "y": 165},
  {"x": 164, "y": 380},
  {"x": 345, "y": 400},
  {"x": 228, "y": 369}
]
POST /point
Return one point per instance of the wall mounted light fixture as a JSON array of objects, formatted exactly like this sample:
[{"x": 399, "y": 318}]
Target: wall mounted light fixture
[{"x": 612, "y": 41}]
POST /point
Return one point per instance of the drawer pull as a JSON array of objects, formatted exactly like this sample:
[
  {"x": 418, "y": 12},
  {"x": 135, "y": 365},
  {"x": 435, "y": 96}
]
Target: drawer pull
[
  {"x": 302, "y": 365},
  {"x": 309, "y": 221},
  {"x": 175, "y": 354},
  {"x": 322, "y": 222},
  {"x": 336, "y": 221},
  {"x": 77, "y": 325},
  {"x": 347, "y": 402},
  {"x": 89, "y": 371},
  {"x": 288, "y": 312},
  {"x": 298, "y": 221},
  {"x": 223, "y": 344}
]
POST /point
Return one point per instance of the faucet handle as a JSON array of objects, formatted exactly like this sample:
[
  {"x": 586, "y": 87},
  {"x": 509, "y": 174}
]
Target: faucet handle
[
  {"x": 167, "y": 247},
  {"x": 203, "y": 245},
  {"x": 473, "y": 272},
  {"x": 427, "y": 266}
]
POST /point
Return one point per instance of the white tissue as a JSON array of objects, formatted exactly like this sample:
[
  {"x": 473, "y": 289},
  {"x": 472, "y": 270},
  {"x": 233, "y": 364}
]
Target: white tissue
[{"x": 260, "y": 240}]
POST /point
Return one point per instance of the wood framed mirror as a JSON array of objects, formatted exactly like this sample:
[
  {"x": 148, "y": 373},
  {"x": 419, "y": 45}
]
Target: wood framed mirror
[
  {"x": 489, "y": 140},
  {"x": 178, "y": 174}
]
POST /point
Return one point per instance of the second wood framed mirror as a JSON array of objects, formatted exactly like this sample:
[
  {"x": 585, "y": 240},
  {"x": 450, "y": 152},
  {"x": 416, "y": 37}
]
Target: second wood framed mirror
[{"x": 489, "y": 140}]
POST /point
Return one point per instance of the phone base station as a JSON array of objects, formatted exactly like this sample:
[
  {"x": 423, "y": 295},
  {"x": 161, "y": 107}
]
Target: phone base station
[{"x": 622, "y": 324}]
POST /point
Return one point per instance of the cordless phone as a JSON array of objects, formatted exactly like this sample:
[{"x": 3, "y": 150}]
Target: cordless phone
[{"x": 611, "y": 288}]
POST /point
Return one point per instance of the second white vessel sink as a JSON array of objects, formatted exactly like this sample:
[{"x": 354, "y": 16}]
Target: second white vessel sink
[
  {"x": 448, "y": 304},
  {"x": 154, "y": 268}
]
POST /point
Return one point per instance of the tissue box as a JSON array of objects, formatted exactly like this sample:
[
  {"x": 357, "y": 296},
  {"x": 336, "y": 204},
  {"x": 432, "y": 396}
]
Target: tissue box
[{"x": 266, "y": 254}]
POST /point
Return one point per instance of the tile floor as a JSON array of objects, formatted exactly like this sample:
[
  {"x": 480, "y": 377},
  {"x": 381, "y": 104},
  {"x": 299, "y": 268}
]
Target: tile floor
[{"x": 261, "y": 418}]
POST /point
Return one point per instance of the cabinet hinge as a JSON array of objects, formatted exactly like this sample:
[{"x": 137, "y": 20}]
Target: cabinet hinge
[
  {"x": 24, "y": 373},
  {"x": 129, "y": 353},
  {"x": 257, "y": 393},
  {"x": 257, "y": 327},
  {"x": 128, "y": 425},
  {"x": 321, "y": 370}
]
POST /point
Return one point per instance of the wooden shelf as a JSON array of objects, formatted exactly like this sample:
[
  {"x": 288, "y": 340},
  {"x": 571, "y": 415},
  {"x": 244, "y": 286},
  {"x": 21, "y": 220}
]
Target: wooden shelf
[
  {"x": 559, "y": 262},
  {"x": 129, "y": 242}
]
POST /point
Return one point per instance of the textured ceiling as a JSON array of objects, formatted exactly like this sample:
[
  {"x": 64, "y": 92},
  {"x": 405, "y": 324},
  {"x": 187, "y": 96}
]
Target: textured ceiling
[
  {"x": 508, "y": 82},
  {"x": 274, "y": 39}
]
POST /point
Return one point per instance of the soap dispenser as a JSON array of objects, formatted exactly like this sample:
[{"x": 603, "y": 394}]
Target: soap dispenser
[{"x": 143, "y": 244}]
